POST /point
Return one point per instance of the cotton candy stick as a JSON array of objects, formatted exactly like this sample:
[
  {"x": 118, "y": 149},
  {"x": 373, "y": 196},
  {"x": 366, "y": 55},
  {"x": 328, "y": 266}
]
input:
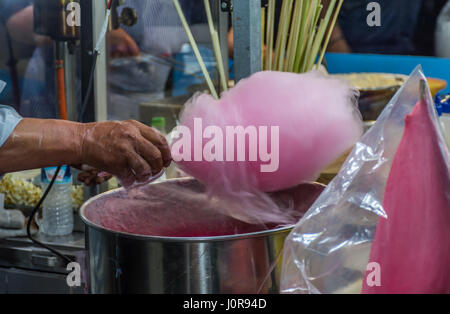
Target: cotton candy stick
[
  {"x": 330, "y": 31},
  {"x": 270, "y": 34},
  {"x": 314, "y": 41},
  {"x": 293, "y": 36},
  {"x": 284, "y": 34},
  {"x": 216, "y": 46},
  {"x": 263, "y": 35},
  {"x": 195, "y": 48},
  {"x": 304, "y": 35}
]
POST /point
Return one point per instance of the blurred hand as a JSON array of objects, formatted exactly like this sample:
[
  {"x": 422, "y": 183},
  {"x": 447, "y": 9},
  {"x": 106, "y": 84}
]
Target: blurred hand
[
  {"x": 121, "y": 44},
  {"x": 21, "y": 28},
  {"x": 91, "y": 176},
  {"x": 129, "y": 150}
]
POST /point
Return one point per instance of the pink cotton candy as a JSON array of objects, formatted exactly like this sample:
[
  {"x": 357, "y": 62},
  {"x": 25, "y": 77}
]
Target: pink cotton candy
[
  {"x": 412, "y": 246},
  {"x": 317, "y": 119}
]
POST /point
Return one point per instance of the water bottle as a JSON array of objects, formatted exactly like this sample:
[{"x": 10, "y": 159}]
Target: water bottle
[{"x": 57, "y": 208}]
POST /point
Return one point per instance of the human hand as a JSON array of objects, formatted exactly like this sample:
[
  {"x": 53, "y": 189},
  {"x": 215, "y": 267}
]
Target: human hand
[
  {"x": 129, "y": 150},
  {"x": 91, "y": 176},
  {"x": 121, "y": 44}
]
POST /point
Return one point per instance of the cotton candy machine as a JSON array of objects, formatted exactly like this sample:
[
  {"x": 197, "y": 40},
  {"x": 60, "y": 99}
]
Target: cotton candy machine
[{"x": 171, "y": 237}]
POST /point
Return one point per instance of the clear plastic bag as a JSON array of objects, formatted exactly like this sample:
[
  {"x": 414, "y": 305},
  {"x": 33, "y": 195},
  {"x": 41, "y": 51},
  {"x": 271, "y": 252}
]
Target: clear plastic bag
[
  {"x": 2, "y": 86},
  {"x": 328, "y": 251}
]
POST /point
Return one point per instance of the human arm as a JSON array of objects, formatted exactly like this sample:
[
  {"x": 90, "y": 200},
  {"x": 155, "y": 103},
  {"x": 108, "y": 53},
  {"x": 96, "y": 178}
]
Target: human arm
[
  {"x": 129, "y": 150},
  {"x": 20, "y": 26}
]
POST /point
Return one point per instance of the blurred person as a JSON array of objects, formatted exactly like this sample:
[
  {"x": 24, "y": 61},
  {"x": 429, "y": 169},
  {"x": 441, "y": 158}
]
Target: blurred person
[
  {"x": 160, "y": 37},
  {"x": 407, "y": 27},
  {"x": 38, "y": 91}
]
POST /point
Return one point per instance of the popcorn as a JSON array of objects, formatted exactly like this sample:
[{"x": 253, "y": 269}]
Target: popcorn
[
  {"x": 22, "y": 192},
  {"x": 77, "y": 196},
  {"x": 19, "y": 191}
]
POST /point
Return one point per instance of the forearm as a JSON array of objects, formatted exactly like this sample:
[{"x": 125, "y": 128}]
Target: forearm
[
  {"x": 21, "y": 28},
  {"x": 39, "y": 143},
  {"x": 338, "y": 42}
]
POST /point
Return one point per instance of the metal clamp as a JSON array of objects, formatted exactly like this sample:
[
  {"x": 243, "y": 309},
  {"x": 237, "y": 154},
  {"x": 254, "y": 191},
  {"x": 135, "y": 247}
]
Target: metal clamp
[
  {"x": 44, "y": 260},
  {"x": 226, "y": 6}
]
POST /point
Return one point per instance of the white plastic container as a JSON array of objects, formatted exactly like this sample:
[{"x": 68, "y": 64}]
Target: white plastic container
[
  {"x": 443, "y": 103},
  {"x": 445, "y": 121},
  {"x": 57, "y": 208},
  {"x": 443, "y": 33}
]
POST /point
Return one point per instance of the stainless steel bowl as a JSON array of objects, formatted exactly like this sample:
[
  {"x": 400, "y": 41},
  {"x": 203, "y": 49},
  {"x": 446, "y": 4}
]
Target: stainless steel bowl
[{"x": 245, "y": 263}]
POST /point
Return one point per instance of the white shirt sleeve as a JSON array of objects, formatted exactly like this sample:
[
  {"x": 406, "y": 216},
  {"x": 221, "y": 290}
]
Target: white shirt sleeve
[{"x": 9, "y": 119}]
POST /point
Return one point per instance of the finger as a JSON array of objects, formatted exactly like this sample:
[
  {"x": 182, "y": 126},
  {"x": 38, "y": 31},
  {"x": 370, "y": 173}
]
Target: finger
[
  {"x": 151, "y": 154},
  {"x": 133, "y": 48},
  {"x": 157, "y": 139},
  {"x": 141, "y": 169},
  {"x": 105, "y": 175},
  {"x": 83, "y": 176},
  {"x": 126, "y": 177},
  {"x": 99, "y": 180},
  {"x": 87, "y": 168}
]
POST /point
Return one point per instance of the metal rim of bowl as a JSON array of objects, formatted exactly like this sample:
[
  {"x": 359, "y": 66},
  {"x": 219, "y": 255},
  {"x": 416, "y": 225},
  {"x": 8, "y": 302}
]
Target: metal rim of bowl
[{"x": 235, "y": 237}]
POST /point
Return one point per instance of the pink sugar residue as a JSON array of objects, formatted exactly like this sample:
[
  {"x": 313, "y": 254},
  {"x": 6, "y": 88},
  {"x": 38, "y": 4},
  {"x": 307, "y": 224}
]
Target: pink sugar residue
[{"x": 183, "y": 209}]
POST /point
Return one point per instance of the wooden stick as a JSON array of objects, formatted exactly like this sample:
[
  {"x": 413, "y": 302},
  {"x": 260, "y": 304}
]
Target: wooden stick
[
  {"x": 281, "y": 21},
  {"x": 270, "y": 31},
  {"x": 312, "y": 39},
  {"x": 263, "y": 34},
  {"x": 294, "y": 36},
  {"x": 319, "y": 38},
  {"x": 284, "y": 34},
  {"x": 307, "y": 51},
  {"x": 308, "y": 36},
  {"x": 216, "y": 46},
  {"x": 195, "y": 48},
  {"x": 277, "y": 40},
  {"x": 302, "y": 41},
  {"x": 313, "y": 54},
  {"x": 330, "y": 31}
]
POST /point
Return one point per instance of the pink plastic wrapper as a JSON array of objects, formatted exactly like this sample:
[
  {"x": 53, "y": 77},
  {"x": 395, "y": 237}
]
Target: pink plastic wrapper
[
  {"x": 418, "y": 212},
  {"x": 382, "y": 225}
]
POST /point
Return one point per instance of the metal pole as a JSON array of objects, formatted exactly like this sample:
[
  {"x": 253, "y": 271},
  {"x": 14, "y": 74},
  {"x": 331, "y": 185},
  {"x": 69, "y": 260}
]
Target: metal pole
[
  {"x": 222, "y": 24},
  {"x": 247, "y": 37},
  {"x": 100, "y": 78},
  {"x": 87, "y": 47},
  {"x": 70, "y": 61},
  {"x": 92, "y": 17}
]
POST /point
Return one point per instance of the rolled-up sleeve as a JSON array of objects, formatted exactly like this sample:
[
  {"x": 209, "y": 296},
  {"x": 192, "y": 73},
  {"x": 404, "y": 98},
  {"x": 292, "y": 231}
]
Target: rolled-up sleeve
[{"x": 9, "y": 119}]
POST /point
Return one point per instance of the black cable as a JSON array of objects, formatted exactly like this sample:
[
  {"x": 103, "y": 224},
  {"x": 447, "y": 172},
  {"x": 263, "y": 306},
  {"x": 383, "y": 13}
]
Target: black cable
[
  {"x": 44, "y": 196},
  {"x": 90, "y": 85},
  {"x": 33, "y": 214}
]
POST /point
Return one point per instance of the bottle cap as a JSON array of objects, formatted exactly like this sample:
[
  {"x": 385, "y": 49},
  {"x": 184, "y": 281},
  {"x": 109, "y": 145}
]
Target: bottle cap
[
  {"x": 159, "y": 123},
  {"x": 444, "y": 102}
]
